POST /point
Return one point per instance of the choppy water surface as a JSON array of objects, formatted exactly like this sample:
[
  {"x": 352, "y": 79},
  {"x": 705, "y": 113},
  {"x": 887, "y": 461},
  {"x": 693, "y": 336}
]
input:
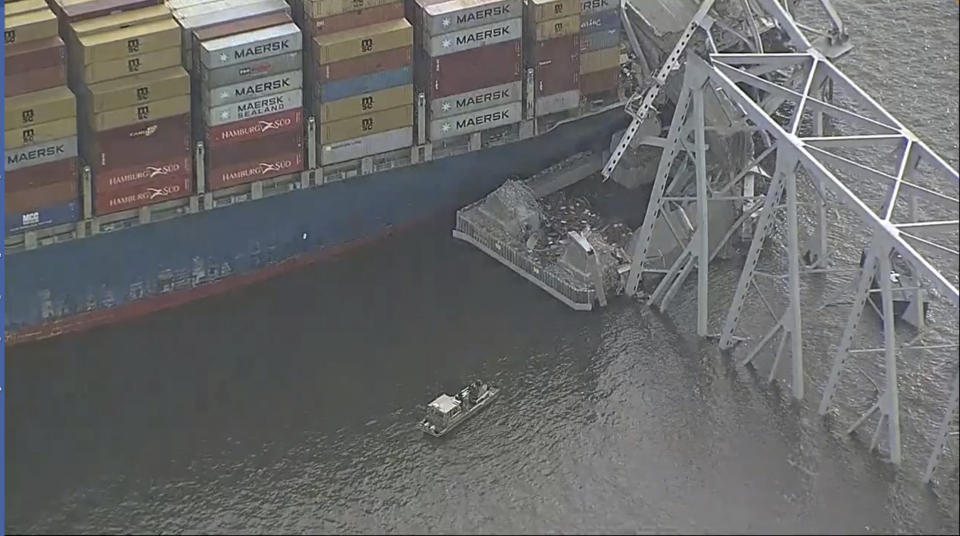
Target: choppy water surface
[{"x": 289, "y": 407}]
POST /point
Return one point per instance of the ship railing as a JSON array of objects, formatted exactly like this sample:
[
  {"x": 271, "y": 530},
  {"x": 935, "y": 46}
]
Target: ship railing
[{"x": 576, "y": 295}]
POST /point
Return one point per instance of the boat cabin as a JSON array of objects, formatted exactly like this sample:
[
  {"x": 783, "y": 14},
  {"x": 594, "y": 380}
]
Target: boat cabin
[{"x": 443, "y": 410}]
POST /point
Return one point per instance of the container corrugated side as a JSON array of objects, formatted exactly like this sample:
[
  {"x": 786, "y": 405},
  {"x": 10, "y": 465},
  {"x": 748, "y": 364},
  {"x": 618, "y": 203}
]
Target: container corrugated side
[
  {"x": 493, "y": 117},
  {"x": 259, "y": 87},
  {"x": 366, "y": 124},
  {"x": 602, "y": 20},
  {"x": 476, "y": 100},
  {"x": 132, "y": 90},
  {"x": 356, "y": 19},
  {"x": 18, "y": 222},
  {"x": 599, "y": 60},
  {"x": 157, "y": 190},
  {"x": 595, "y": 6},
  {"x": 342, "y": 151},
  {"x": 256, "y": 169},
  {"x": 368, "y": 83},
  {"x": 598, "y": 40},
  {"x": 558, "y": 102},
  {"x": 443, "y": 16},
  {"x": 119, "y": 20},
  {"x": 453, "y": 74},
  {"x": 149, "y": 169},
  {"x": 125, "y": 146},
  {"x": 478, "y": 36},
  {"x": 377, "y": 62},
  {"x": 554, "y": 28},
  {"x": 282, "y": 122},
  {"x": 39, "y": 107},
  {"x": 599, "y": 82},
  {"x": 40, "y": 133},
  {"x": 41, "y": 54},
  {"x": 41, "y": 24},
  {"x": 242, "y": 23},
  {"x": 129, "y": 41},
  {"x": 41, "y": 153},
  {"x": 99, "y": 8},
  {"x": 264, "y": 146},
  {"x": 206, "y": 20},
  {"x": 543, "y": 10},
  {"x": 257, "y": 107},
  {"x": 327, "y": 8},
  {"x": 52, "y": 193},
  {"x": 362, "y": 41},
  {"x": 42, "y": 175},
  {"x": 143, "y": 63},
  {"x": 140, "y": 113},
  {"x": 366, "y": 103},
  {"x": 250, "y": 46},
  {"x": 26, "y": 6},
  {"x": 557, "y": 67},
  {"x": 233, "y": 74},
  {"x": 35, "y": 80}
]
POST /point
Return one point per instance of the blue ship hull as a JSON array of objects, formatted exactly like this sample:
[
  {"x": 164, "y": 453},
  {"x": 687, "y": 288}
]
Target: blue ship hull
[{"x": 109, "y": 277}]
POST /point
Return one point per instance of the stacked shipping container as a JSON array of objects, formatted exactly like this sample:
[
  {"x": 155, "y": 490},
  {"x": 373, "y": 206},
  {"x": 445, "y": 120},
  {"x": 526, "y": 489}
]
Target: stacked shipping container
[
  {"x": 599, "y": 47},
  {"x": 40, "y": 138},
  {"x": 246, "y": 63},
  {"x": 133, "y": 101},
  {"x": 362, "y": 65},
  {"x": 553, "y": 34},
  {"x": 469, "y": 64}
]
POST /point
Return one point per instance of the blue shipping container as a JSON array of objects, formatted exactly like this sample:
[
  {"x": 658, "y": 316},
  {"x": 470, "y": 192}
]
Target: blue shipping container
[
  {"x": 599, "y": 40},
  {"x": 368, "y": 83},
  {"x": 42, "y": 217},
  {"x": 604, "y": 20}
]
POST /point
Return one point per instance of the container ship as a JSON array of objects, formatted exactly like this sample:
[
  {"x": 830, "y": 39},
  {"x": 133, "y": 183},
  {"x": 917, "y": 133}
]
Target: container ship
[{"x": 161, "y": 152}]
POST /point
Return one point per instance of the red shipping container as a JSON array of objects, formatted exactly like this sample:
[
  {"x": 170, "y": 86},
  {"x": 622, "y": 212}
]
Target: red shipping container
[
  {"x": 20, "y": 58},
  {"x": 125, "y": 147},
  {"x": 241, "y": 151},
  {"x": 54, "y": 193},
  {"x": 379, "y": 61},
  {"x": 248, "y": 129},
  {"x": 556, "y": 65},
  {"x": 113, "y": 180},
  {"x": 41, "y": 175},
  {"x": 157, "y": 190},
  {"x": 356, "y": 19},
  {"x": 255, "y": 170},
  {"x": 452, "y": 74},
  {"x": 35, "y": 80},
  {"x": 599, "y": 82}
]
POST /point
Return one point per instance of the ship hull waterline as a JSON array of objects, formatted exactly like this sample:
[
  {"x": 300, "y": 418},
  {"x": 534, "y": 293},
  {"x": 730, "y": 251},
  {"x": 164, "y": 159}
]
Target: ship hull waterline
[{"x": 114, "y": 277}]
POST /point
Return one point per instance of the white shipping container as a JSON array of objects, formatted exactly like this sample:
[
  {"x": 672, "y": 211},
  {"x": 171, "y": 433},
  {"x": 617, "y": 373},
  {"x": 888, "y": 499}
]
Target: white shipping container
[
  {"x": 479, "y": 36},
  {"x": 250, "y": 46},
  {"x": 558, "y": 102},
  {"x": 250, "y": 89},
  {"x": 382, "y": 142},
  {"x": 596, "y": 6},
  {"x": 476, "y": 100},
  {"x": 496, "y": 116},
  {"x": 453, "y": 15},
  {"x": 247, "y": 109},
  {"x": 41, "y": 153}
]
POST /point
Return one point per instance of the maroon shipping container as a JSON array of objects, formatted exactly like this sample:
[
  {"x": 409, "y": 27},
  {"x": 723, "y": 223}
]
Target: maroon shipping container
[
  {"x": 556, "y": 64},
  {"x": 41, "y": 175},
  {"x": 157, "y": 190},
  {"x": 255, "y": 170},
  {"x": 473, "y": 69},
  {"x": 54, "y": 193},
  {"x": 248, "y": 129},
  {"x": 263, "y": 147},
  {"x": 379, "y": 61},
  {"x": 98, "y": 8},
  {"x": 35, "y": 80},
  {"x": 599, "y": 82},
  {"x": 356, "y": 19},
  {"x": 237, "y": 26},
  {"x": 25, "y": 57},
  {"x": 124, "y": 147},
  {"x": 110, "y": 181}
]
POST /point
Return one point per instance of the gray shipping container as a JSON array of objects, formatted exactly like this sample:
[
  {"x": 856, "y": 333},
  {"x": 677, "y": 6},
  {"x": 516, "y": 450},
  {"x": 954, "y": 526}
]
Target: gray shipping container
[
  {"x": 247, "y": 109},
  {"x": 496, "y": 116},
  {"x": 476, "y": 100},
  {"x": 242, "y": 72},
  {"x": 249, "y": 46},
  {"x": 41, "y": 153},
  {"x": 381, "y": 142},
  {"x": 595, "y": 6},
  {"x": 189, "y": 24},
  {"x": 455, "y": 15},
  {"x": 558, "y": 102},
  {"x": 259, "y": 87},
  {"x": 489, "y": 34},
  {"x": 599, "y": 40}
]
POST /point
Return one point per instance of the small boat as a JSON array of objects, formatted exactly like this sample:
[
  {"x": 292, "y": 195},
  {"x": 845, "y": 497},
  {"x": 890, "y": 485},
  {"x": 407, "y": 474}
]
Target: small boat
[{"x": 447, "y": 412}]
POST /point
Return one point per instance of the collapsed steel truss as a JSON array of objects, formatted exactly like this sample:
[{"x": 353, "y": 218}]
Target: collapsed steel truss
[{"x": 906, "y": 211}]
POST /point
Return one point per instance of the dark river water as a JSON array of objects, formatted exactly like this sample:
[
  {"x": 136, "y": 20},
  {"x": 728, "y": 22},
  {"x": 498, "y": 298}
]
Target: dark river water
[{"x": 289, "y": 407}]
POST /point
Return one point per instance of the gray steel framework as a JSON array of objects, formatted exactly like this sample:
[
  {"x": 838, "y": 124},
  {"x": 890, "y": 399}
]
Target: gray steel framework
[{"x": 786, "y": 98}]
